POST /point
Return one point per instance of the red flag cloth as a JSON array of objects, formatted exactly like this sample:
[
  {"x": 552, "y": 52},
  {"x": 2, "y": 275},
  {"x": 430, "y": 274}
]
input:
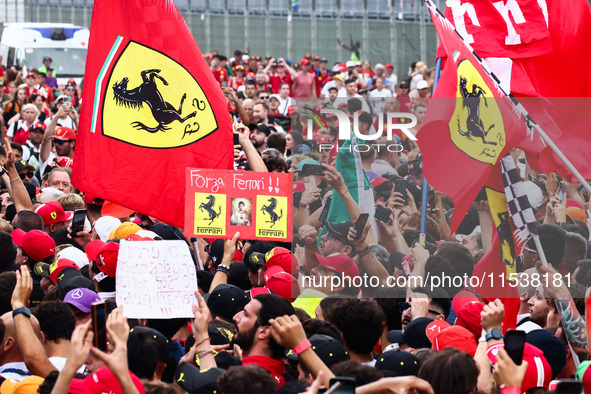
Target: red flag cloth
[
  {"x": 151, "y": 108},
  {"x": 513, "y": 28},
  {"x": 468, "y": 126}
]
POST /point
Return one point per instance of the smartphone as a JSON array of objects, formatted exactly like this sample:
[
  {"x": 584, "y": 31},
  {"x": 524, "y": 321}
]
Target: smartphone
[
  {"x": 360, "y": 224},
  {"x": 99, "y": 320},
  {"x": 68, "y": 101},
  {"x": 400, "y": 186},
  {"x": 236, "y": 138},
  {"x": 78, "y": 221},
  {"x": 313, "y": 169},
  {"x": 431, "y": 198},
  {"x": 514, "y": 343},
  {"x": 382, "y": 213},
  {"x": 324, "y": 214},
  {"x": 569, "y": 386},
  {"x": 562, "y": 191},
  {"x": 309, "y": 182},
  {"x": 346, "y": 385},
  {"x": 225, "y": 84}
]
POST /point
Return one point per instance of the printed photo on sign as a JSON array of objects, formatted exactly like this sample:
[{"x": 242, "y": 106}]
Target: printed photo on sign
[
  {"x": 210, "y": 214},
  {"x": 241, "y": 212},
  {"x": 271, "y": 219}
]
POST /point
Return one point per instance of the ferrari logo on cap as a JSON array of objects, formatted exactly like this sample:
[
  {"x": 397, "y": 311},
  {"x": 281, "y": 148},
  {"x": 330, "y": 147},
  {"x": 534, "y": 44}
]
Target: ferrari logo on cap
[
  {"x": 182, "y": 377},
  {"x": 476, "y": 126},
  {"x": 154, "y": 103},
  {"x": 53, "y": 215}
]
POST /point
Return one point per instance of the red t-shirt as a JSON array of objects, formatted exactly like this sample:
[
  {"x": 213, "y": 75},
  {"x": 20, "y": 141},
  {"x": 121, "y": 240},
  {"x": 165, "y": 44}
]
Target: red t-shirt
[
  {"x": 220, "y": 75},
  {"x": 275, "y": 367},
  {"x": 321, "y": 79},
  {"x": 276, "y": 81}
]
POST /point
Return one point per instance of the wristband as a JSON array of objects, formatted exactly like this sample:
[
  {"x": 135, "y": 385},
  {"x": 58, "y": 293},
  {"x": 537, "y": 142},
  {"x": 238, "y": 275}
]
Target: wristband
[
  {"x": 302, "y": 205},
  {"x": 14, "y": 179},
  {"x": 302, "y": 346},
  {"x": 205, "y": 339},
  {"x": 310, "y": 245}
]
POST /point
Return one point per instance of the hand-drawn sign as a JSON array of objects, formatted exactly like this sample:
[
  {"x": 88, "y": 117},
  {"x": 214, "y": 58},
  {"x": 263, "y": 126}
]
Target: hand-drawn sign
[{"x": 220, "y": 203}]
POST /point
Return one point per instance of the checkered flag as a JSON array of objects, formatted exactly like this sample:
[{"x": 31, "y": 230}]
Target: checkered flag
[{"x": 521, "y": 211}]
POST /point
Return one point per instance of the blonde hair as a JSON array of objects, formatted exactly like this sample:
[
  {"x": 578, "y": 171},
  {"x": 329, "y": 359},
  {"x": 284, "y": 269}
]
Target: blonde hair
[{"x": 71, "y": 202}]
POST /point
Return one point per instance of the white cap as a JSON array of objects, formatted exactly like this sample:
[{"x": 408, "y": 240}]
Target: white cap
[
  {"x": 380, "y": 65},
  {"x": 476, "y": 230},
  {"x": 350, "y": 63},
  {"x": 232, "y": 59},
  {"x": 275, "y": 96},
  {"x": 104, "y": 225},
  {"x": 74, "y": 254},
  {"x": 148, "y": 234},
  {"x": 422, "y": 84},
  {"x": 245, "y": 57}
]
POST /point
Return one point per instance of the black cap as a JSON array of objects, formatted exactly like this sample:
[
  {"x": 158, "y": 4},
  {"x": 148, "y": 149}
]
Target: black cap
[
  {"x": 262, "y": 127},
  {"x": 401, "y": 362},
  {"x": 394, "y": 336},
  {"x": 196, "y": 381},
  {"x": 70, "y": 279},
  {"x": 340, "y": 230},
  {"x": 21, "y": 165},
  {"x": 227, "y": 300},
  {"x": 215, "y": 250},
  {"x": 553, "y": 348},
  {"x": 415, "y": 333},
  {"x": 329, "y": 350},
  {"x": 163, "y": 346}
]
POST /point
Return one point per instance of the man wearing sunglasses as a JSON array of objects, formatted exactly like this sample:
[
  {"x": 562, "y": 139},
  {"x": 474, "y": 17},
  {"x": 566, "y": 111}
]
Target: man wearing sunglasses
[{"x": 425, "y": 303}]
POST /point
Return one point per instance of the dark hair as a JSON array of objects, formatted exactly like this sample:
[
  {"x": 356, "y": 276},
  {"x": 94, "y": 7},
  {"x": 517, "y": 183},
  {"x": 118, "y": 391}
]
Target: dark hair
[
  {"x": 275, "y": 163},
  {"x": 458, "y": 255},
  {"x": 29, "y": 220},
  {"x": 575, "y": 250},
  {"x": 552, "y": 238},
  {"x": 239, "y": 275},
  {"x": 438, "y": 298},
  {"x": 258, "y": 246},
  {"x": 277, "y": 141},
  {"x": 317, "y": 326},
  {"x": 360, "y": 322},
  {"x": 2, "y": 328},
  {"x": 437, "y": 266},
  {"x": 294, "y": 387},
  {"x": 247, "y": 379},
  {"x": 365, "y": 118},
  {"x": 349, "y": 80},
  {"x": 273, "y": 306},
  {"x": 142, "y": 354},
  {"x": 328, "y": 304},
  {"x": 363, "y": 374},
  {"x": 354, "y": 105},
  {"x": 450, "y": 372},
  {"x": 388, "y": 298},
  {"x": 297, "y": 137},
  {"x": 7, "y": 251},
  {"x": 56, "y": 319},
  {"x": 16, "y": 146},
  {"x": 7, "y": 285},
  {"x": 250, "y": 82}
]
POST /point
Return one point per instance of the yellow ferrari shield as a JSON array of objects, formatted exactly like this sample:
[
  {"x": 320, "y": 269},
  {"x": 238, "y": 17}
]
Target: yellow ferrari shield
[
  {"x": 476, "y": 126},
  {"x": 271, "y": 216},
  {"x": 502, "y": 220},
  {"x": 210, "y": 214},
  {"x": 152, "y": 101}
]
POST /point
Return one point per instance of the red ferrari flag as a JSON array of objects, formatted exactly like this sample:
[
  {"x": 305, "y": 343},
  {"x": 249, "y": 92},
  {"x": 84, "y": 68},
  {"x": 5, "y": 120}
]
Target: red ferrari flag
[
  {"x": 150, "y": 108},
  {"x": 469, "y": 124}
]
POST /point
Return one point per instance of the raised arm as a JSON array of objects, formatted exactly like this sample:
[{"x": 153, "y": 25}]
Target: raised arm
[
  {"x": 252, "y": 155},
  {"x": 18, "y": 192}
]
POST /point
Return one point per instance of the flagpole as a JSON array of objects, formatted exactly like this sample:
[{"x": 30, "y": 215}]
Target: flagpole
[
  {"x": 531, "y": 122},
  {"x": 425, "y": 183}
]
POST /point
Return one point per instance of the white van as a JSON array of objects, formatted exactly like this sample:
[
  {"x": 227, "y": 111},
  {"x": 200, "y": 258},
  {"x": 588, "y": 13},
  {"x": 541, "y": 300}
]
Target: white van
[{"x": 26, "y": 44}]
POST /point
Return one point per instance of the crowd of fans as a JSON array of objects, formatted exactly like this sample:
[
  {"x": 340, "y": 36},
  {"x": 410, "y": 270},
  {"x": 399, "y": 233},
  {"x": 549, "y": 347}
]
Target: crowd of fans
[{"x": 272, "y": 317}]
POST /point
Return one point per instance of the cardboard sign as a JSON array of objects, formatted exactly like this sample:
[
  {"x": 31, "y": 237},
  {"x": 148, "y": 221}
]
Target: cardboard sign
[
  {"x": 221, "y": 202},
  {"x": 156, "y": 279}
]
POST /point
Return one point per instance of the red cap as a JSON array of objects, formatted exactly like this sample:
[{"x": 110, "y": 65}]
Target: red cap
[
  {"x": 64, "y": 134},
  {"x": 316, "y": 57},
  {"x": 102, "y": 381},
  {"x": 538, "y": 374},
  {"x": 435, "y": 327},
  {"x": 38, "y": 125},
  {"x": 258, "y": 290},
  {"x": 52, "y": 212},
  {"x": 308, "y": 56},
  {"x": 64, "y": 161},
  {"x": 31, "y": 75},
  {"x": 462, "y": 298},
  {"x": 93, "y": 199},
  {"x": 269, "y": 272},
  {"x": 470, "y": 318},
  {"x": 304, "y": 62},
  {"x": 58, "y": 266},
  {"x": 338, "y": 262},
  {"x": 377, "y": 181},
  {"x": 293, "y": 109},
  {"x": 283, "y": 258},
  {"x": 457, "y": 337},
  {"x": 321, "y": 139},
  {"x": 37, "y": 244},
  {"x": 93, "y": 248},
  {"x": 389, "y": 65},
  {"x": 106, "y": 259},
  {"x": 284, "y": 285}
]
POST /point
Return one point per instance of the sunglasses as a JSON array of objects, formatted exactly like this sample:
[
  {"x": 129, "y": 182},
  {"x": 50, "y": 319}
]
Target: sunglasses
[
  {"x": 264, "y": 97},
  {"x": 60, "y": 142},
  {"x": 24, "y": 175},
  {"x": 405, "y": 305}
]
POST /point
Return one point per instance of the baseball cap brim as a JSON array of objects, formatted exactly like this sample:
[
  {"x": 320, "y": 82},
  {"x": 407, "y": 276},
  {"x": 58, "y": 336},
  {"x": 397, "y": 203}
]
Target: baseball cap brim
[{"x": 18, "y": 236}]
